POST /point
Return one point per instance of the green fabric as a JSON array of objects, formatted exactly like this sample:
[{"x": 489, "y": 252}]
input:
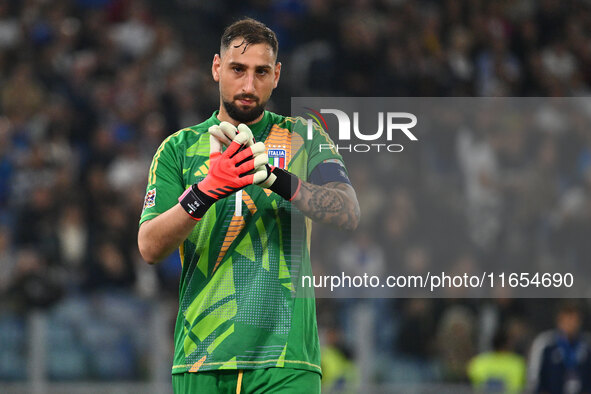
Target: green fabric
[
  {"x": 237, "y": 308},
  {"x": 503, "y": 370},
  {"x": 205, "y": 382},
  {"x": 268, "y": 380}
]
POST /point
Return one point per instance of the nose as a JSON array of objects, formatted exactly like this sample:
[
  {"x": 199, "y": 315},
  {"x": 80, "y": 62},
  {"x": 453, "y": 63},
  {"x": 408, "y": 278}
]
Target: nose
[{"x": 248, "y": 86}]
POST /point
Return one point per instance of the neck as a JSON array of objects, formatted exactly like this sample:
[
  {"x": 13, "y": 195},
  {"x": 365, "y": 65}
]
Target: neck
[{"x": 224, "y": 117}]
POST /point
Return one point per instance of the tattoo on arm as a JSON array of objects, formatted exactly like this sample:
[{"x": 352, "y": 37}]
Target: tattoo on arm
[{"x": 332, "y": 203}]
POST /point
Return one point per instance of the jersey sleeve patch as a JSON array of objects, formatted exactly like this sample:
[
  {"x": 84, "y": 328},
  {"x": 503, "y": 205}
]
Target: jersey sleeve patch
[{"x": 150, "y": 199}]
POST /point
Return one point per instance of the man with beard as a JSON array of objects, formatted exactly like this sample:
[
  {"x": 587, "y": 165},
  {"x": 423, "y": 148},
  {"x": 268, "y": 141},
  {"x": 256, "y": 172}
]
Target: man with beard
[{"x": 236, "y": 219}]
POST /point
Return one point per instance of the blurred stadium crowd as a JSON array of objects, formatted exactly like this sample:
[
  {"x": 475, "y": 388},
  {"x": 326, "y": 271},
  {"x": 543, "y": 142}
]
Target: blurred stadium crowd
[{"x": 89, "y": 89}]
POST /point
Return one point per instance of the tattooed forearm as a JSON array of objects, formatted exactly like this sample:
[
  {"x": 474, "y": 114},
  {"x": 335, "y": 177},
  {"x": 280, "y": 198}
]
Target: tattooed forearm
[{"x": 333, "y": 203}]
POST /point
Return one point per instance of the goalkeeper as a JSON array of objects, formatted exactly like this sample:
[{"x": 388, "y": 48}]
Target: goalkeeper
[{"x": 233, "y": 208}]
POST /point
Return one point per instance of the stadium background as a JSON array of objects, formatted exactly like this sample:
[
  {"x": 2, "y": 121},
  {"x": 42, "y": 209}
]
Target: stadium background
[{"x": 89, "y": 88}]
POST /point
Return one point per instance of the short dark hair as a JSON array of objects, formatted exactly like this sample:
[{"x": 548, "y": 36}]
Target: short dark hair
[
  {"x": 569, "y": 306},
  {"x": 500, "y": 340},
  {"x": 252, "y": 31}
]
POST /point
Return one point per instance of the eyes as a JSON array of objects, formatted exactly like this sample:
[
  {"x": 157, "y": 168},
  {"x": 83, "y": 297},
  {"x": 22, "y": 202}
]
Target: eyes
[{"x": 260, "y": 71}]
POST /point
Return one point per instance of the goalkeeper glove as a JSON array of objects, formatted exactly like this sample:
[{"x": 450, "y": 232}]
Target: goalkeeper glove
[
  {"x": 230, "y": 171},
  {"x": 280, "y": 181},
  {"x": 225, "y": 133}
]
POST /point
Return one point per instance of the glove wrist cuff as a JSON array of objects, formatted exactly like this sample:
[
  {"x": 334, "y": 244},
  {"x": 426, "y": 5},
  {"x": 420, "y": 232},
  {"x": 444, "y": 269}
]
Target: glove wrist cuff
[
  {"x": 287, "y": 185},
  {"x": 195, "y": 202}
]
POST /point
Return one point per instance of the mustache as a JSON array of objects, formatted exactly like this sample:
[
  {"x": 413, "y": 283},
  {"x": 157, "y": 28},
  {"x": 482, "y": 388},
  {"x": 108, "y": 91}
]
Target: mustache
[{"x": 246, "y": 97}]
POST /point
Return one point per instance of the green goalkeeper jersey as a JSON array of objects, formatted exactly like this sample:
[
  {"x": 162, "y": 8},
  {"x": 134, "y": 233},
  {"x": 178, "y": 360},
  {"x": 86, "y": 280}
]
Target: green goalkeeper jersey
[{"x": 238, "y": 307}]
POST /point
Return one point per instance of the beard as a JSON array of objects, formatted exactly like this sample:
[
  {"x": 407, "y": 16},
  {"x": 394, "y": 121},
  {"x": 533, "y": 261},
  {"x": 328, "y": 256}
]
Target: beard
[{"x": 244, "y": 115}]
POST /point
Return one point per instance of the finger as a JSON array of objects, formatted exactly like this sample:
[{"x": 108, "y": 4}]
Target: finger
[
  {"x": 217, "y": 132},
  {"x": 268, "y": 182},
  {"x": 215, "y": 146},
  {"x": 260, "y": 177},
  {"x": 246, "y": 167},
  {"x": 260, "y": 160},
  {"x": 234, "y": 147},
  {"x": 242, "y": 128},
  {"x": 254, "y": 150},
  {"x": 242, "y": 138},
  {"x": 242, "y": 155},
  {"x": 257, "y": 148},
  {"x": 229, "y": 130},
  {"x": 249, "y": 165},
  {"x": 246, "y": 180}
]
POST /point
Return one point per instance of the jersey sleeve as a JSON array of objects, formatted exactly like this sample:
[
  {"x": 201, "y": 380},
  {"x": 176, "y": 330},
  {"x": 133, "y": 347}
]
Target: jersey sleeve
[
  {"x": 165, "y": 181},
  {"x": 322, "y": 150}
]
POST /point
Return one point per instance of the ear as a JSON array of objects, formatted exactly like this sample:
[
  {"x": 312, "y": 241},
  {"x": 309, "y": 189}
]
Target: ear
[
  {"x": 215, "y": 67},
  {"x": 277, "y": 74}
]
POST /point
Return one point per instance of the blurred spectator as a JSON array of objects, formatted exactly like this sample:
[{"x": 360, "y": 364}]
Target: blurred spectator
[
  {"x": 458, "y": 59},
  {"x": 109, "y": 268},
  {"x": 134, "y": 36},
  {"x": 6, "y": 161},
  {"x": 560, "y": 360},
  {"x": 370, "y": 195},
  {"x": 455, "y": 342},
  {"x": 399, "y": 225},
  {"x": 339, "y": 373},
  {"x": 73, "y": 238},
  {"x": 362, "y": 256},
  {"x": 478, "y": 162},
  {"x": 7, "y": 259},
  {"x": 571, "y": 222},
  {"x": 504, "y": 312},
  {"x": 36, "y": 223},
  {"x": 10, "y": 29},
  {"x": 558, "y": 61},
  {"x": 357, "y": 51},
  {"x": 35, "y": 284},
  {"x": 499, "y": 371},
  {"x": 498, "y": 70},
  {"x": 22, "y": 96},
  {"x": 416, "y": 331},
  {"x": 127, "y": 169}
]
